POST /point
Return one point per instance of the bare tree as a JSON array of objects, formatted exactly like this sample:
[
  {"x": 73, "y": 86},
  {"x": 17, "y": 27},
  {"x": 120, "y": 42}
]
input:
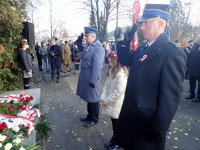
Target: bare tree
[
  {"x": 177, "y": 19},
  {"x": 51, "y": 18},
  {"x": 31, "y": 7},
  {"x": 102, "y": 12},
  {"x": 59, "y": 30},
  {"x": 186, "y": 29}
]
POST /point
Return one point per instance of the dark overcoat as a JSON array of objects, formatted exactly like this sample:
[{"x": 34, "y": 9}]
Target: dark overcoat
[
  {"x": 56, "y": 59},
  {"x": 194, "y": 61},
  {"x": 152, "y": 94},
  {"x": 92, "y": 60},
  {"x": 24, "y": 59}
]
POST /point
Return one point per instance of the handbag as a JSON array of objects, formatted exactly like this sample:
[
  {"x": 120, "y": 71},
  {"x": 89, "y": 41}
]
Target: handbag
[{"x": 27, "y": 74}]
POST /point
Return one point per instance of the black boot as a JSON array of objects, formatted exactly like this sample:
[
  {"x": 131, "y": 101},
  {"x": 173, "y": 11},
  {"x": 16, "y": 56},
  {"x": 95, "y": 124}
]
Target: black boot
[
  {"x": 77, "y": 66},
  {"x": 191, "y": 96}
]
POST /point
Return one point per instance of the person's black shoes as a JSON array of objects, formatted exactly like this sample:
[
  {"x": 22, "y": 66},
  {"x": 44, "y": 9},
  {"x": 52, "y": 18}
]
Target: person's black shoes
[
  {"x": 108, "y": 144},
  {"x": 89, "y": 123},
  {"x": 51, "y": 81},
  {"x": 190, "y": 97},
  {"x": 196, "y": 100},
  {"x": 115, "y": 147}
]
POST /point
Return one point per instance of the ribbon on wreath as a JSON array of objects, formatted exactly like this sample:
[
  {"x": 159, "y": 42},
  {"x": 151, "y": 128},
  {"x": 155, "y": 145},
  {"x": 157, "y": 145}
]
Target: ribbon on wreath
[{"x": 26, "y": 115}]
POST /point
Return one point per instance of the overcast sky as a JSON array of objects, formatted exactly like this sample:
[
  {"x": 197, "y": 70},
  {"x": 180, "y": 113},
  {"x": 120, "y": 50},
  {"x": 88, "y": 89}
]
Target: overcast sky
[{"x": 73, "y": 18}]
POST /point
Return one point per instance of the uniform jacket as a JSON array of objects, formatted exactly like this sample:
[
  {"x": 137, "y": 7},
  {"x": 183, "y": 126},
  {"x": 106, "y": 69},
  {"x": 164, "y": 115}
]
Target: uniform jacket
[
  {"x": 57, "y": 57},
  {"x": 24, "y": 59},
  {"x": 152, "y": 94},
  {"x": 113, "y": 94},
  {"x": 92, "y": 59},
  {"x": 194, "y": 61}
]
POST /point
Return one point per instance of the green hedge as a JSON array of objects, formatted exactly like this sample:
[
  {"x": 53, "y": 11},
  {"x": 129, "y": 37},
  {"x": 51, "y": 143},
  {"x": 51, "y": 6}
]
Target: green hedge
[{"x": 11, "y": 15}]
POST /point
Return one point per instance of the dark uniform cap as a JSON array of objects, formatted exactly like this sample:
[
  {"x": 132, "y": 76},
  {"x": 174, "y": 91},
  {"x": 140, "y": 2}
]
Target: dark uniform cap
[
  {"x": 155, "y": 11},
  {"x": 89, "y": 30}
]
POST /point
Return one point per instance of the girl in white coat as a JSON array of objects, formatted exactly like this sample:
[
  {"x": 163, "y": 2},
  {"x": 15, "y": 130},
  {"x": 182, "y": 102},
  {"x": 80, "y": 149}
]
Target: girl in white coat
[{"x": 113, "y": 94}]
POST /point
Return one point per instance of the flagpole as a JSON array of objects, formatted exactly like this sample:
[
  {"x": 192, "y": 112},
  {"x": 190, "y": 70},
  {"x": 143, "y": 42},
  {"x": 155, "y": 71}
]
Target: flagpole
[
  {"x": 117, "y": 19},
  {"x": 136, "y": 12}
]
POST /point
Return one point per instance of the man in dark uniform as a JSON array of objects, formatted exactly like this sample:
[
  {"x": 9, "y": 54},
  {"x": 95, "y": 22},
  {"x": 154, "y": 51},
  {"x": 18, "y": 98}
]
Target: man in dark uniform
[
  {"x": 89, "y": 83},
  {"x": 187, "y": 51},
  {"x": 191, "y": 43},
  {"x": 56, "y": 60},
  {"x": 194, "y": 72},
  {"x": 154, "y": 86}
]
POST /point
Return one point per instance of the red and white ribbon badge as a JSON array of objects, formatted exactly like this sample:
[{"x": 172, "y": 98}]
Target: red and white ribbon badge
[{"x": 143, "y": 58}]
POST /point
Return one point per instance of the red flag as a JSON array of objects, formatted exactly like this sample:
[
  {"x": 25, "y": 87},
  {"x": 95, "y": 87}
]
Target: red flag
[
  {"x": 134, "y": 42},
  {"x": 136, "y": 12}
]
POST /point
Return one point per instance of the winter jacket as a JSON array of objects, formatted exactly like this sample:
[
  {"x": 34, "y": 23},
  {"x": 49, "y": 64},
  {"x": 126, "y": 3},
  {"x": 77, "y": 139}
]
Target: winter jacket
[
  {"x": 24, "y": 59},
  {"x": 113, "y": 94},
  {"x": 43, "y": 52}
]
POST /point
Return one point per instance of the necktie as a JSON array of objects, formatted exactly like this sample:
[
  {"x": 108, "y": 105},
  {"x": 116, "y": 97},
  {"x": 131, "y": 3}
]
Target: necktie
[{"x": 144, "y": 49}]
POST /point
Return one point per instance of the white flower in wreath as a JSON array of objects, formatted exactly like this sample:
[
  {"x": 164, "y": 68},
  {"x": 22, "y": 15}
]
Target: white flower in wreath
[
  {"x": 21, "y": 148},
  {"x": 8, "y": 146},
  {"x": 16, "y": 129},
  {"x": 17, "y": 141},
  {"x": 8, "y": 123},
  {"x": 1, "y": 145},
  {"x": 2, "y": 137}
]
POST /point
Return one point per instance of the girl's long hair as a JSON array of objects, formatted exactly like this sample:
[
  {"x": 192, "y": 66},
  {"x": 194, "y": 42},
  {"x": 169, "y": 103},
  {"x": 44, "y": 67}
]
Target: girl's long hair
[{"x": 116, "y": 68}]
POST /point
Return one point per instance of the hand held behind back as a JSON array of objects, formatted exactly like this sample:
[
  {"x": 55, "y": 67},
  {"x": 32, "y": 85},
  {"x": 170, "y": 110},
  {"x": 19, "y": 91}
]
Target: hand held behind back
[{"x": 91, "y": 85}]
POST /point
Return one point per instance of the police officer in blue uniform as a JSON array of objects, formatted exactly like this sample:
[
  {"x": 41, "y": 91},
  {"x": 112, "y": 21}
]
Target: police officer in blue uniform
[
  {"x": 89, "y": 83},
  {"x": 154, "y": 84}
]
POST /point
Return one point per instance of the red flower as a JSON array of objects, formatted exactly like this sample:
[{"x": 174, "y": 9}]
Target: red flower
[
  {"x": 12, "y": 109},
  {"x": 3, "y": 126},
  {"x": 23, "y": 108},
  {"x": 22, "y": 125},
  {"x": 31, "y": 97},
  {"x": 6, "y": 134},
  {"x": 19, "y": 107},
  {"x": 25, "y": 103},
  {"x": 9, "y": 104},
  {"x": 22, "y": 98}
]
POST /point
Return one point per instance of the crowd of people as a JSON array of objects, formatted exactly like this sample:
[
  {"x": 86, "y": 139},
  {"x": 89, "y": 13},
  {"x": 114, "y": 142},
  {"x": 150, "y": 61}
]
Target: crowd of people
[
  {"x": 192, "y": 49},
  {"x": 52, "y": 57},
  {"x": 56, "y": 57},
  {"x": 142, "y": 89}
]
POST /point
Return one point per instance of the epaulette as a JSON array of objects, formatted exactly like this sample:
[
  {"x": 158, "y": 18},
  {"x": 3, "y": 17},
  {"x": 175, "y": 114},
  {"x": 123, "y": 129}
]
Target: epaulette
[{"x": 97, "y": 43}]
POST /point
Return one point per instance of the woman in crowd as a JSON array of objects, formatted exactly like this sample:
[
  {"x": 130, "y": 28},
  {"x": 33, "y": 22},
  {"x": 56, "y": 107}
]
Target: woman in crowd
[
  {"x": 24, "y": 59},
  {"x": 113, "y": 94}
]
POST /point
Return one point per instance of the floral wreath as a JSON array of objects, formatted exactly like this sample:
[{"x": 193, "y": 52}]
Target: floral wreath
[
  {"x": 113, "y": 54},
  {"x": 17, "y": 120}
]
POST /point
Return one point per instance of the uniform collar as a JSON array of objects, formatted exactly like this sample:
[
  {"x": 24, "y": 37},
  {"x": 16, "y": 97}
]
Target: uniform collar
[
  {"x": 150, "y": 43},
  {"x": 95, "y": 43}
]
